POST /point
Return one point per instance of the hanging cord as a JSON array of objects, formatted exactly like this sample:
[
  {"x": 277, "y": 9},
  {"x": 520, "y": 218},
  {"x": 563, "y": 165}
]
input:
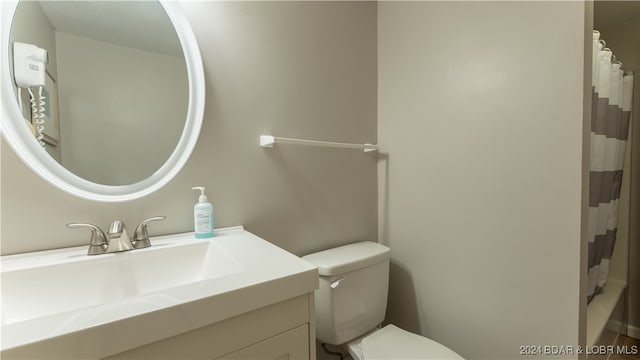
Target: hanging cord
[
  {"x": 336, "y": 353},
  {"x": 37, "y": 111}
]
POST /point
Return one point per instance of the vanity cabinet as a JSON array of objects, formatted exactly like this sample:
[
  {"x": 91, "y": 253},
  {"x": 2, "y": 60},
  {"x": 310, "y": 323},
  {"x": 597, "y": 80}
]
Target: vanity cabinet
[
  {"x": 285, "y": 330},
  {"x": 234, "y": 296},
  {"x": 292, "y": 344}
]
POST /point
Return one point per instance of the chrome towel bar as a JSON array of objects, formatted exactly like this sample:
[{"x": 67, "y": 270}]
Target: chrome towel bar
[{"x": 268, "y": 141}]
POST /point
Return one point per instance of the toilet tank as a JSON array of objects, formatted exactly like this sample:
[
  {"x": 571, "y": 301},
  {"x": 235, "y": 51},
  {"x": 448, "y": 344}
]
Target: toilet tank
[{"x": 352, "y": 297}]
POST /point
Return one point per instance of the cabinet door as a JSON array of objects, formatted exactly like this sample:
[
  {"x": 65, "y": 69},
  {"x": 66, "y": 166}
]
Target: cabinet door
[{"x": 292, "y": 344}]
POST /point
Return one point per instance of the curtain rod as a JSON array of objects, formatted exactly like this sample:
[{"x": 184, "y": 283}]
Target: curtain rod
[{"x": 269, "y": 141}]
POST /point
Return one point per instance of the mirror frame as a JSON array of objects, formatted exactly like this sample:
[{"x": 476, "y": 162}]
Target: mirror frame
[{"x": 24, "y": 145}]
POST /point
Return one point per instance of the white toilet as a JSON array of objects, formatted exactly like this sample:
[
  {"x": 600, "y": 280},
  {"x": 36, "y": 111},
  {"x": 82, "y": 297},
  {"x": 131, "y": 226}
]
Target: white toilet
[{"x": 351, "y": 302}]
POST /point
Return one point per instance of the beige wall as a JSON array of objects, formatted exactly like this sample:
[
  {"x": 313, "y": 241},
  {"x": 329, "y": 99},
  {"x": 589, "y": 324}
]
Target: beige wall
[
  {"x": 481, "y": 115},
  {"x": 296, "y": 69},
  {"x": 479, "y": 190}
]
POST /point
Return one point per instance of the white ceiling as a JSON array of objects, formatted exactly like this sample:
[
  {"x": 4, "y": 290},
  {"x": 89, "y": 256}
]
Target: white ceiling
[{"x": 137, "y": 24}]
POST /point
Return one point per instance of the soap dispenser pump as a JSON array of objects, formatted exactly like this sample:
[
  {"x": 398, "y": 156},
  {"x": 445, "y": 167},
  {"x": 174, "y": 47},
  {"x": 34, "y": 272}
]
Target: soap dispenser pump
[{"x": 203, "y": 215}]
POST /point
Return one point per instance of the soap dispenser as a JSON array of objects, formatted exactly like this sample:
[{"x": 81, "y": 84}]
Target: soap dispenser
[{"x": 203, "y": 215}]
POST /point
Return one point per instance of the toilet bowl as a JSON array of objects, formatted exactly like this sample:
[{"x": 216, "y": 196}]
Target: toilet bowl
[
  {"x": 392, "y": 342},
  {"x": 351, "y": 303}
]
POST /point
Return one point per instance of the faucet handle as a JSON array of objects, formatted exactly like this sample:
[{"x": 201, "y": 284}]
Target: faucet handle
[
  {"x": 141, "y": 235},
  {"x": 98, "y": 243}
]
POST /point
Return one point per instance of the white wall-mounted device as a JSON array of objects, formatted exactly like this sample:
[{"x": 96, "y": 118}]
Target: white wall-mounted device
[
  {"x": 29, "y": 63},
  {"x": 29, "y": 68}
]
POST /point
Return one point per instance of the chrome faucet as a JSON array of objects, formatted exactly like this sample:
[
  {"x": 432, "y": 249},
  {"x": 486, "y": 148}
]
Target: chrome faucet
[{"x": 117, "y": 239}]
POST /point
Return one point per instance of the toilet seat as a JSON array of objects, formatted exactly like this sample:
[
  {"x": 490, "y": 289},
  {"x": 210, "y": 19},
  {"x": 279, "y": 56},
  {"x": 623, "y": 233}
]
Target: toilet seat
[{"x": 391, "y": 342}]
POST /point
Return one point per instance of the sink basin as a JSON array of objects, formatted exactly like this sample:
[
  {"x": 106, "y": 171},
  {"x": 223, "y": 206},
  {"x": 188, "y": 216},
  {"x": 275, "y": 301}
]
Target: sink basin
[
  {"x": 67, "y": 301},
  {"x": 61, "y": 281}
]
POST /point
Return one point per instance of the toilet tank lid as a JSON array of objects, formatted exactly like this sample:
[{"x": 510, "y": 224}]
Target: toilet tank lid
[{"x": 348, "y": 258}]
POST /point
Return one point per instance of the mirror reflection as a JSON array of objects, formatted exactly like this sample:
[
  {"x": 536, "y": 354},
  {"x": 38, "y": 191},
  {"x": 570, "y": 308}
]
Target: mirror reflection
[{"x": 115, "y": 97}]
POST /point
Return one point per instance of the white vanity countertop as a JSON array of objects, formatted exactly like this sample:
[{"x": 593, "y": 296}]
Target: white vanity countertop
[{"x": 255, "y": 274}]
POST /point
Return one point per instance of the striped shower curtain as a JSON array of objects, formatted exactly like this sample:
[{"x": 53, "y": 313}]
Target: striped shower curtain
[{"x": 610, "y": 115}]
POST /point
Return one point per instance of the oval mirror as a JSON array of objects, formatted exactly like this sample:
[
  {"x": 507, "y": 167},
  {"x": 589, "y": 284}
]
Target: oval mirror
[{"x": 123, "y": 96}]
